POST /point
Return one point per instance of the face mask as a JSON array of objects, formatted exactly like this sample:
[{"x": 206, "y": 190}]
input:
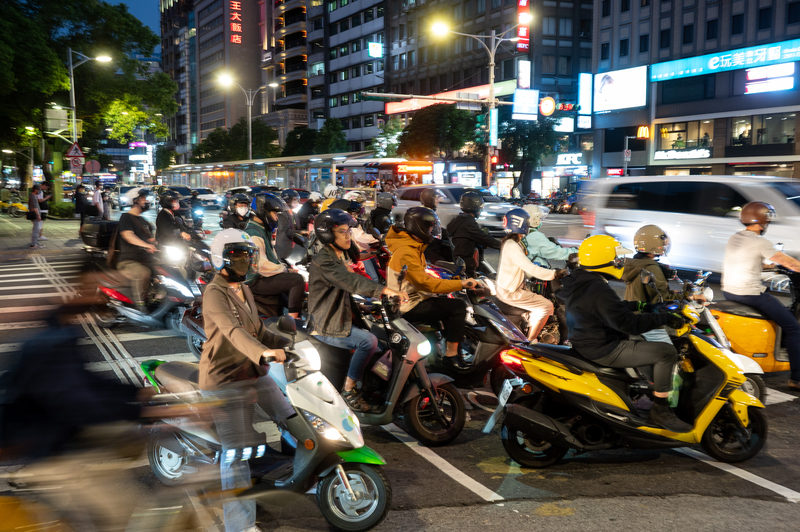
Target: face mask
[
  {"x": 145, "y": 207},
  {"x": 242, "y": 211},
  {"x": 238, "y": 264},
  {"x": 176, "y": 205}
]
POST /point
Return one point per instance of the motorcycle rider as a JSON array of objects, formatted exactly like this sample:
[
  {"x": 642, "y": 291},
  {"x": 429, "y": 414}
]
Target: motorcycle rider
[
  {"x": 238, "y": 212},
  {"x": 232, "y": 366},
  {"x": 407, "y": 247},
  {"x": 288, "y": 224},
  {"x": 600, "y": 324},
  {"x": 650, "y": 243},
  {"x": 381, "y": 216},
  {"x": 331, "y": 281},
  {"x": 309, "y": 209},
  {"x": 169, "y": 227},
  {"x": 515, "y": 267},
  {"x": 365, "y": 242},
  {"x": 136, "y": 247},
  {"x": 537, "y": 243},
  {"x": 440, "y": 248},
  {"x": 466, "y": 233},
  {"x": 272, "y": 277},
  {"x": 196, "y": 205},
  {"x": 333, "y": 191},
  {"x": 741, "y": 277}
]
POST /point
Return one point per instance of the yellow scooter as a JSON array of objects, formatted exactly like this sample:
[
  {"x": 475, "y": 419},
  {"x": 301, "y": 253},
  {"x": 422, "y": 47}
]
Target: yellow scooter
[
  {"x": 14, "y": 206},
  {"x": 559, "y": 401}
]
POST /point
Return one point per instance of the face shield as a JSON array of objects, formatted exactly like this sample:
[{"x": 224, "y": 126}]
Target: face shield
[{"x": 238, "y": 259}]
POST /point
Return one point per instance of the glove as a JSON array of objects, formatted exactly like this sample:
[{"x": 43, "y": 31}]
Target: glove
[
  {"x": 660, "y": 308},
  {"x": 561, "y": 273},
  {"x": 674, "y": 321}
]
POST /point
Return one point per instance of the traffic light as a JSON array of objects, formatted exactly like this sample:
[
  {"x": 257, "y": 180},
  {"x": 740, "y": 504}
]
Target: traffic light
[{"x": 494, "y": 159}]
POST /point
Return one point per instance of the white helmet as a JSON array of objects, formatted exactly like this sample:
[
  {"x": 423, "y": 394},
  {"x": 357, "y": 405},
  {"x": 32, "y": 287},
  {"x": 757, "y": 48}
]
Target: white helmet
[
  {"x": 355, "y": 195},
  {"x": 223, "y": 247},
  {"x": 537, "y": 215},
  {"x": 332, "y": 191},
  {"x": 315, "y": 197}
]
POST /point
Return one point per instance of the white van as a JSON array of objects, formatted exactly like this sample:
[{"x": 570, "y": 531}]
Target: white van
[{"x": 699, "y": 213}]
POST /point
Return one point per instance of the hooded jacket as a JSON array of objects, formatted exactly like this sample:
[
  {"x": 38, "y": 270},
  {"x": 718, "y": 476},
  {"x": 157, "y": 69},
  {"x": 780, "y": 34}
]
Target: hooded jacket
[
  {"x": 539, "y": 246},
  {"x": 418, "y": 284},
  {"x": 465, "y": 233},
  {"x": 636, "y": 290},
  {"x": 597, "y": 318}
]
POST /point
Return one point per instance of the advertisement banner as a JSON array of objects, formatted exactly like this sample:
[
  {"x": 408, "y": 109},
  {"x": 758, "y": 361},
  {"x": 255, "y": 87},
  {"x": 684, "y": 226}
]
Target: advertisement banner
[
  {"x": 526, "y": 105},
  {"x": 620, "y": 89}
]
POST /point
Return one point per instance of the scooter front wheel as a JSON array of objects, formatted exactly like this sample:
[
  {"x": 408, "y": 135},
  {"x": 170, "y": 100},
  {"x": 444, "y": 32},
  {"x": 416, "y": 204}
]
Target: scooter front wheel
[
  {"x": 529, "y": 451},
  {"x": 727, "y": 441},
  {"x": 754, "y": 385},
  {"x": 373, "y": 498},
  {"x": 423, "y": 423}
]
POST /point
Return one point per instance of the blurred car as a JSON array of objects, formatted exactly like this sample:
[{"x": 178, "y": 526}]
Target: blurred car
[
  {"x": 209, "y": 198},
  {"x": 68, "y": 192},
  {"x": 491, "y": 216},
  {"x": 699, "y": 213},
  {"x": 122, "y": 196}
]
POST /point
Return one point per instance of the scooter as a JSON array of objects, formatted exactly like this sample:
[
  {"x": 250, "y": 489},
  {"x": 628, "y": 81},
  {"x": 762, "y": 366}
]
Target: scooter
[
  {"x": 560, "y": 401},
  {"x": 14, "y": 206},
  {"x": 352, "y": 492}
]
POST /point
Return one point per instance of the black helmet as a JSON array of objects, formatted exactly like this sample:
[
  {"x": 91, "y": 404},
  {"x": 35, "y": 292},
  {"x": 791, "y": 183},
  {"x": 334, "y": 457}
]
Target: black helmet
[
  {"x": 166, "y": 199},
  {"x": 195, "y": 193},
  {"x": 386, "y": 201},
  {"x": 353, "y": 208},
  {"x": 288, "y": 195},
  {"x": 419, "y": 222},
  {"x": 238, "y": 198},
  {"x": 428, "y": 198},
  {"x": 328, "y": 220},
  {"x": 265, "y": 203},
  {"x": 471, "y": 202}
]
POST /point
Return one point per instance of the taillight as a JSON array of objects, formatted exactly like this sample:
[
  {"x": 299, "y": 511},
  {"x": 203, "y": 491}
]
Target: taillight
[
  {"x": 433, "y": 273},
  {"x": 113, "y": 294},
  {"x": 513, "y": 363},
  {"x": 201, "y": 281}
]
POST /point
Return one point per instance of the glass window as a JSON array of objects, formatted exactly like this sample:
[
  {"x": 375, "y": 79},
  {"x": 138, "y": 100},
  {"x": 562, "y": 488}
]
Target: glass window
[
  {"x": 790, "y": 190},
  {"x": 712, "y": 29},
  {"x": 333, "y": 78},
  {"x": 688, "y": 34},
  {"x": 343, "y": 3},
  {"x": 380, "y": 66},
  {"x": 355, "y": 97},
  {"x": 369, "y": 68},
  {"x": 345, "y": 123},
  {"x": 334, "y": 53},
  {"x": 496, "y": 4},
  {"x": 343, "y": 75},
  {"x": 332, "y": 6},
  {"x": 741, "y": 129},
  {"x": 344, "y": 25},
  {"x": 606, "y": 6},
  {"x": 317, "y": 69},
  {"x": 775, "y": 128},
  {"x": 369, "y": 121},
  {"x": 410, "y": 28},
  {"x": 369, "y": 15},
  {"x": 356, "y": 122},
  {"x": 548, "y": 64},
  {"x": 665, "y": 38},
  {"x": 344, "y": 99},
  {"x": 355, "y": 72},
  {"x": 644, "y": 43},
  {"x": 793, "y": 12},
  {"x": 737, "y": 24},
  {"x": 316, "y": 93},
  {"x": 605, "y": 51},
  {"x": 481, "y": 6},
  {"x": 411, "y": 58},
  {"x": 625, "y": 5},
  {"x": 333, "y": 101},
  {"x": 564, "y": 66},
  {"x": 548, "y": 25},
  {"x": 565, "y": 27},
  {"x": 686, "y": 135},
  {"x": 765, "y": 18},
  {"x": 402, "y": 31},
  {"x": 380, "y": 11},
  {"x": 645, "y": 3},
  {"x": 355, "y": 46},
  {"x": 356, "y": 20},
  {"x": 623, "y": 47},
  {"x": 344, "y": 50}
]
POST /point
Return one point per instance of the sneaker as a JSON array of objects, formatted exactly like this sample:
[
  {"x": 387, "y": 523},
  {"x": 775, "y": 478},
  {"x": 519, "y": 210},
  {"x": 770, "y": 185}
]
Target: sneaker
[
  {"x": 37, "y": 246},
  {"x": 794, "y": 385},
  {"x": 43, "y": 238},
  {"x": 664, "y": 416},
  {"x": 455, "y": 362},
  {"x": 355, "y": 401}
]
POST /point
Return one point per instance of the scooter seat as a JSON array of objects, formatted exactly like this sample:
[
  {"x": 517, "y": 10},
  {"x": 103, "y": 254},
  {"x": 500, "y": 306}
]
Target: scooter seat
[
  {"x": 445, "y": 265},
  {"x": 573, "y": 360},
  {"x": 507, "y": 309},
  {"x": 737, "y": 309},
  {"x": 179, "y": 377}
]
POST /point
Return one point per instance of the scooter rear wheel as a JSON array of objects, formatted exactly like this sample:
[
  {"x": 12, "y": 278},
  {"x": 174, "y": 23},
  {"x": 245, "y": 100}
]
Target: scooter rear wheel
[
  {"x": 420, "y": 417},
  {"x": 726, "y": 441},
  {"x": 373, "y": 498},
  {"x": 195, "y": 345},
  {"x": 528, "y": 451},
  {"x": 168, "y": 466}
]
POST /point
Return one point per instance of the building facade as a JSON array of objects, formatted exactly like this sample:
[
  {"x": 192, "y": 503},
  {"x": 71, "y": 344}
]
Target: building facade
[{"x": 713, "y": 81}]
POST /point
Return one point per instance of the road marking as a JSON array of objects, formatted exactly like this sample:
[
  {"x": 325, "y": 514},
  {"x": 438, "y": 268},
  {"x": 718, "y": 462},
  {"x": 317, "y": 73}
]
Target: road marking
[
  {"x": 126, "y": 337},
  {"x": 27, "y": 286},
  {"x": 9, "y": 223},
  {"x": 23, "y": 310},
  {"x": 175, "y": 357},
  {"x": 41, "y": 295},
  {"x": 446, "y": 467},
  {"x": 36, "y": 276},
  {"x": 774, "y": 397},
  {"x": 788, "y": 494},
  {"x": 35, "y": 267},
  {"x": 23, "y": 325}
]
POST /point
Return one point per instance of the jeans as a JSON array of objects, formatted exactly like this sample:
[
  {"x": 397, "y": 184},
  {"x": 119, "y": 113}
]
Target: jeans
[
  {"x": 363, "y": 342},
  {"x": 369, "y": 268},
  {"x": 782, "y": 316},
  {"x": 234, "y": 422},
  {"x": 435, "y": 309},
  {"x": 630, "y": 354},
  {"x": 37, "y": 227}
]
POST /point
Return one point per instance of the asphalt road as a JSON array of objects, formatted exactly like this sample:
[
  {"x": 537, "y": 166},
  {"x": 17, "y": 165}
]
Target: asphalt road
[{"x": 608, "y": 490}]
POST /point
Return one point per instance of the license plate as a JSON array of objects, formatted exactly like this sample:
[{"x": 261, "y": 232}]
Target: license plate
[{"x": 505, "y": 393}]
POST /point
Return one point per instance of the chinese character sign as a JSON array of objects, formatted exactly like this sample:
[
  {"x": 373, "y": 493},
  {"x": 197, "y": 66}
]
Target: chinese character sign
[
  {"x": 235, "y": 21},
  {"x": 524, "y": 30}
]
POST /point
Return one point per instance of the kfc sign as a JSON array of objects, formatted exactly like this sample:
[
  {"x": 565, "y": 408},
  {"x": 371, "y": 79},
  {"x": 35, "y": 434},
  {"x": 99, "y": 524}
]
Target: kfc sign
[
  {"x": 524, "y": 30},
  {"x": 569, "y": 159}
]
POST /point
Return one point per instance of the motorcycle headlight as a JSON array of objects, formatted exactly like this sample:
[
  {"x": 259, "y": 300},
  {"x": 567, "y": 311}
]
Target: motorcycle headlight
[
  {"x": 510, "y": 334},
  {"x": 198, "y": 212},
  {"x": 324, "y": 428},
  {"x": 424, "y": 349},
  {"x": 174, "y": 254}
]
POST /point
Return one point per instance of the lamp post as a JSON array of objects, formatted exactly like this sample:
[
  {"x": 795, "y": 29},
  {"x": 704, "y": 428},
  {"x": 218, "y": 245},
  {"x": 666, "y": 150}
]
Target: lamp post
[
  {"x": 250, "y": 96},
  {"x": 84, "y": 59},
  {"x": 441, "y": 29}
]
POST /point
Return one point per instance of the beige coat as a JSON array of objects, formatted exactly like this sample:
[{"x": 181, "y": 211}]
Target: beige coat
[{"x": 233, "y": 351}]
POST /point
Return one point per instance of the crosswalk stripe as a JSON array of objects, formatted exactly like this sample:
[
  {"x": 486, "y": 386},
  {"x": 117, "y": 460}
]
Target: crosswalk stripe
[
  {"x": 125, "y": 337},
  {"x": 37, "y": 275},
  {"x": 25, "y": 310},
  {"x": 23, "y": 325},
  {"x": 30, "y": 296},
  {"x": 29, "y": 266},
  {"x": 32, "y": 286}
]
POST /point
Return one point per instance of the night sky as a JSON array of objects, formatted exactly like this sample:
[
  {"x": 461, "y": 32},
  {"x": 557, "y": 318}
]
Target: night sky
[{"x": 146, "y": 11}]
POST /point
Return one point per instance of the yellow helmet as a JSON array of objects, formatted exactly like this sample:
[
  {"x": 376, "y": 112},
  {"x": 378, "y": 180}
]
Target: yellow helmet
[
  {"x": 602, "y": 254},
  {"x": 327, "y": 204}
]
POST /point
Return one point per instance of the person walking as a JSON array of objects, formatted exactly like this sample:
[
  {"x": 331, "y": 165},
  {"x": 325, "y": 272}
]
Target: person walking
[
  {"x": 107, "y": 203},
  {"x": 81, "y": 204},
  {"x": 97, "y": 199},
  {"x": 44, "y": 206},
  {"x": 35, "y": 216}
]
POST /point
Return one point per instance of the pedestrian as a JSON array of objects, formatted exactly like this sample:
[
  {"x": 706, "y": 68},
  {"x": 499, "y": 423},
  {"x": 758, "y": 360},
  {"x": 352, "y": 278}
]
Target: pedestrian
[
  {"x": 44, "y": 206},
  {"x": 107, "y": 203},
  {"x": 97, "y": 199},
  {"x": 35, "y": 216},
  {"x": 81, "y": 204}
]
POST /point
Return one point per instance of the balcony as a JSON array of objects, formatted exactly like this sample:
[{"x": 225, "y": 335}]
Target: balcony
[
  {"x": 297, "y": 25},
  {"x": 281, "y": 6}
]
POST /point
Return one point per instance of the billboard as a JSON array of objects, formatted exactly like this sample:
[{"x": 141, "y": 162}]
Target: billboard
[
  {"x": 526, "y": 105},
  {"x": 620, "y": 89},
  {"x": 585, "y": 94},
  {"x": 503, "y": 88}
]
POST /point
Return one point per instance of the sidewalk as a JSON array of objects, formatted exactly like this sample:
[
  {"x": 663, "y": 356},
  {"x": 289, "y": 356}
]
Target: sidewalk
[{"x": 15, "y": 238}]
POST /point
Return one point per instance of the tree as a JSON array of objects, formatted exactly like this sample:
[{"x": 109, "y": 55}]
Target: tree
[
  {"x": 215, "y": 148},
  {"x": 164, "y": 158},
  {"x": 331, "y": 138},
  {"x": 222, "y": 145},
  {"x": 385, "y": 144},
  {"x": 300, "y": 141},
  {"x": 525, "y": 142},
  {"x": 437, "y": 131}
]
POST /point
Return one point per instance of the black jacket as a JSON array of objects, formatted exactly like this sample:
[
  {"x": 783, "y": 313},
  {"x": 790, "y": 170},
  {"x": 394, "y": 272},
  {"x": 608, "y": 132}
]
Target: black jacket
[
  {"x": 80, "y": 203},
  {"x": 168, "y": 227},
  {"x": 234, "y": 221},
  {"x": 305, "y": 214},
  {"x": 465, "y": 233},
  {"x": 597, "y": 318},
  {"x": 288, "y": 227}
]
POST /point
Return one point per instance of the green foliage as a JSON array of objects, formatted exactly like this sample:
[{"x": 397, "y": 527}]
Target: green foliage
[
  {"x": 525, "y": 142},
  {"x": 164, "y": 158},
  {"x": 331, "y": 138},
  {"x": 386, "y": 143},
  {"x": 62, "y": 209},
  {"x": 437, "y": 131},
  {"x": 222, "y": 145},
  {"x": 300, "y": 141}
]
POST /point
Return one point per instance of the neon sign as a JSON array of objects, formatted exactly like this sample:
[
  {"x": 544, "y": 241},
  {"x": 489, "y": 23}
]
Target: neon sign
[
  {"x": 414, "y": 168},
  {"x": 524, "y": 30},
  {"x": 236, "y": 21}
]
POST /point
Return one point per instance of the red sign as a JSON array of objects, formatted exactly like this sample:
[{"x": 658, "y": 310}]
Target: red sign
[
  {"x": 415, "y": 168},
  {"x": 524, "y": 30},
  {"x": 236, "y": 25},
  {"x": 614, "y": 171},
  {"x": 406, "y": 106},
  {"x": 565, "y": 106}
]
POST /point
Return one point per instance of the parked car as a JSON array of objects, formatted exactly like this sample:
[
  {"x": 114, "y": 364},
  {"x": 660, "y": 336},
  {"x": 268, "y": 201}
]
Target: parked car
[
  {"x": 491, "y": 216},
  {"x": 699, "y": 213},
  {"x": 209, "y": 198}
]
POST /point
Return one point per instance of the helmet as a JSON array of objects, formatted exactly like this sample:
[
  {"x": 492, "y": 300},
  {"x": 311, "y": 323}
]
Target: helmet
[
  {"x": 516, "y": 221},
  {"x": 326, "y": 222},
  {"x": 238, "y": 198},
  {"x": 235, "y": 252},
  {"x": 602, "y": 254},
  {"x": 428, "y": 197},
  {"x": 419, "y": 222},
  {"x": 355, "y": 195},
  {"x": 651, "y": 239},
  {"x": 537, "y": 215},
  {"x": 288, "y": 195},
  {"x": 757, "y": 212},
  {"x": 315, "y": 197},
  {"x": 471, "y": 202},
  {"x": 353, "y": 208},
  {"x": 332, "y": 191},
  {"x": 386, "y": 201},
  {"x": 166, "y": 199},
  {"x": 265, "y": 203},
  {"x": 327, "y": 204},
  {"x": 195, "y": 193}
]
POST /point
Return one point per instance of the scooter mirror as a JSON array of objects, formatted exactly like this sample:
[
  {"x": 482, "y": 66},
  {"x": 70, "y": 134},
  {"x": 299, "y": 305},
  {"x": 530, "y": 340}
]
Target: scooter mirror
[
  {"x": 376, "y": 234},
  {"x": 287, "y": 324},
  {"x": 402, "y": 276},
  {"x": 299, "y": 240}
]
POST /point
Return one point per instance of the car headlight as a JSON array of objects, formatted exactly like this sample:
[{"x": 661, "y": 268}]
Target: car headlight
[
  {"x": 219, "y": 199},
  {"x": 324, "y": 428},
  {"x": 424, "y": 349}
]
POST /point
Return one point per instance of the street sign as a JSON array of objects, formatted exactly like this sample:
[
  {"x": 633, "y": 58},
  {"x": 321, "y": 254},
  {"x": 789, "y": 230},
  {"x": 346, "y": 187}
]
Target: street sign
[
  {"x": 627, "y": 154},
  {"x": 74, "y": 151},
  {"x": 93, "y": 167},
  {"x": 76, "y": 165}
]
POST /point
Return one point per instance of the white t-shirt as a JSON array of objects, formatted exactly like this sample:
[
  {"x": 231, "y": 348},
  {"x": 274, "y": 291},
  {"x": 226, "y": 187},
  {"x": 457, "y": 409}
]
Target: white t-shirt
[
  {"x": 744, "y": 262},
  {"x": 98, "y": 201}
]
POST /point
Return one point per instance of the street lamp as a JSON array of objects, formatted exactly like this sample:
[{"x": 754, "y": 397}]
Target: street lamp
[
  {"x": 84, "y": 59},
  {"x": 250, "y": 95},
  {"x": 440, "y": 29}
]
